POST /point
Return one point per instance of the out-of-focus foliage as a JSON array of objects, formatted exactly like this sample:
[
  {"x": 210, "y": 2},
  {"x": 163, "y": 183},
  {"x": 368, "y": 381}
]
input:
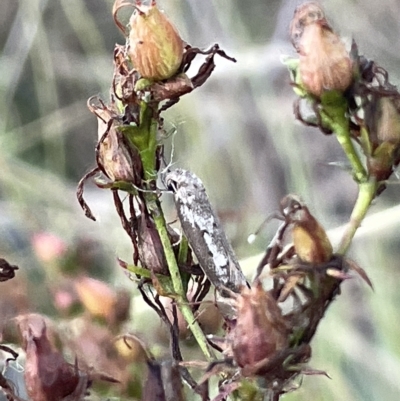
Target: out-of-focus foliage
[{"x": 237, "y": 133}]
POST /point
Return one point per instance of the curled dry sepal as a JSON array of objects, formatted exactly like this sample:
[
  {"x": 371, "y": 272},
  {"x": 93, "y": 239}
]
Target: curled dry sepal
[{"x": 340, "y": 90}]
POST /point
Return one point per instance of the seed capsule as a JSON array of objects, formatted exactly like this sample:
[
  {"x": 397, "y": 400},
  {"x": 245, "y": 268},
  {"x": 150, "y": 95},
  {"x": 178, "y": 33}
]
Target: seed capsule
[
  {"x": 48, "y": 376},
  {"x": 113, "y": 153},
  {"x": 383, "y": 122},
  {"x": 155, "y": 47},
  {"x": 310, "y": 240},
  {"x": 325, "y": 63},
  {"x": 260, "y": 331}
]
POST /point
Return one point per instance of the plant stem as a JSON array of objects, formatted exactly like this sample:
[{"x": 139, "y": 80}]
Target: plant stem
[
  {"x": 333, "y": 115},
  {"x": 159, "y": 220},
  {"x": 366, "y": 194},
  {"x": 147, "y": 138},
  {"x": 345, "y": 142}
]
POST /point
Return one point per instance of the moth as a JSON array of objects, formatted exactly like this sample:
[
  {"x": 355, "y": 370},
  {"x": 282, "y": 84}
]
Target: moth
[{"x": 204, "y": 232}]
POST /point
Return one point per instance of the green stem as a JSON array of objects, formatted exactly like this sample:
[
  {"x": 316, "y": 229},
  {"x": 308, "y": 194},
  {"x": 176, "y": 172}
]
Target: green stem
[
  {"x": 183, "y": 305},
  {"x": 345, "y": 142},
  {"x": 148, "y": 155},
  {"x": 148, "y": 132},
  {"x": 339, "y": 124},
  {"x": 366, "y": 194}
]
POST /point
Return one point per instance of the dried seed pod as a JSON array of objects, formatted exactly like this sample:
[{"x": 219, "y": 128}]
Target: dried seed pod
[
  {"x": 48, "y": 377},
  {"x": 151, "y": 253},
  {"x": 382, "y": 119},
  {"x": 155, "y": 47},
  {"x": 260, "y": 331},
  {"x": 325, "y": 63},
  {"x": 114, "y": 155},
  {"x": 310, "y": 240}
]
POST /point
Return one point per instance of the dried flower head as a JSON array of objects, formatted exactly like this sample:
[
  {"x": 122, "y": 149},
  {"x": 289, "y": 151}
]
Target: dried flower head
[
  {"x": 155, "y": 47},
  {"x": 383, "y": 123},
  {"x": 260, "y": 331},
  {"x": 310, "y": 240},
  {"x": 325, "y": 63},
  {"x": 151, "y": 253},
  {"x": 114, "y": 155},
  {"x": 48, "y": 377}
]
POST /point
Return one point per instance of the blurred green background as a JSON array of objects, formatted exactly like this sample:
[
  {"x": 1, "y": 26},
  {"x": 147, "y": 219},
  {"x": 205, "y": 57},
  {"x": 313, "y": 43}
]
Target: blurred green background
[{"x": 237, "y": 133}]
